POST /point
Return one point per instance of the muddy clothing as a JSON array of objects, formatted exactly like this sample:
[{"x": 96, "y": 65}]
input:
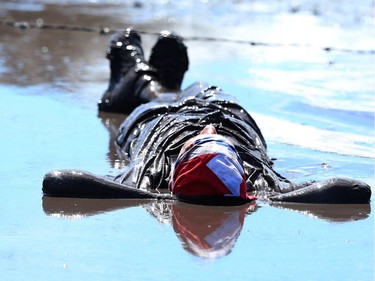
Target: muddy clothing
[{"x": 152, "y": 136}]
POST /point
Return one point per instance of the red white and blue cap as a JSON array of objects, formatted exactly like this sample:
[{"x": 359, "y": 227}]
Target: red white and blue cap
[{"x": 209, "y": 167}]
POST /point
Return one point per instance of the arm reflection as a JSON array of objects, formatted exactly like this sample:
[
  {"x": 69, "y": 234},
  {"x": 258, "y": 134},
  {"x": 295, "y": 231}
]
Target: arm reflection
[
  {"x": 71, "y": 208},
  {"x": 329, "y": 212}
]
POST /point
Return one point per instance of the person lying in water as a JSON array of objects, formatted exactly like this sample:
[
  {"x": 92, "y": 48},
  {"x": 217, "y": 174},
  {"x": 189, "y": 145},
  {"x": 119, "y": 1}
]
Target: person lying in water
[{"x": 199, "y": 143}]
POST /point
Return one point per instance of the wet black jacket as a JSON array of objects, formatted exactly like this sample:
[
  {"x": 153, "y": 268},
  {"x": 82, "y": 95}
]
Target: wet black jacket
[{"x": 152, "y": 136}]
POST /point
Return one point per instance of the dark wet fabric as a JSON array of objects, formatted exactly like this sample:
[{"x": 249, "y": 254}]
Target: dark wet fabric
[{"x": 152, "y": 136}]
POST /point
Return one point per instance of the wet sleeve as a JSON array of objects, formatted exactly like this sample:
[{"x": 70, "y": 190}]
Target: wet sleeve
[{"x": 332, "y": 191}]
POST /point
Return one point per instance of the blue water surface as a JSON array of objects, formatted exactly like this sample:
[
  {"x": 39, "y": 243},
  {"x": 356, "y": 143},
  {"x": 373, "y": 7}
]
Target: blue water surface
[{"x": 314, "y": 107}]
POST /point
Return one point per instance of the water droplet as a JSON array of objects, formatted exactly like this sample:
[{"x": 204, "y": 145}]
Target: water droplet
[{"x": 39, "y": 22}]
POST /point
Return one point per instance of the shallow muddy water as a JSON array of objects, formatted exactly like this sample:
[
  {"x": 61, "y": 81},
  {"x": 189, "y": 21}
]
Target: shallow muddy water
[{"x": 315, "y": 108}]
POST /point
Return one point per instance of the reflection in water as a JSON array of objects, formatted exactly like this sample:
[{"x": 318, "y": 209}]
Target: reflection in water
[
  {"x": 80, "y": 207},
  {"x": 205, "y": 231},
  {"x": 329, "y": 212},
  {"x": 112, "y": 122}
]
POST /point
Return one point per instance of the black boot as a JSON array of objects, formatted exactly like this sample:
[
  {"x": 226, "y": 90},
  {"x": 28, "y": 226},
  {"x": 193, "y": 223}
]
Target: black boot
[
  {"x": 124, "y": 51},
  {"x": 128, "y": 71},
  {"x": 169, "y": 58}
]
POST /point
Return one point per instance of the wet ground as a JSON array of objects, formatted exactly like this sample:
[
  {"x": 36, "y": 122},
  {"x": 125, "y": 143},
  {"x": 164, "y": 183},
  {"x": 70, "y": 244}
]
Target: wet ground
[{"x": 315, "y": 107}]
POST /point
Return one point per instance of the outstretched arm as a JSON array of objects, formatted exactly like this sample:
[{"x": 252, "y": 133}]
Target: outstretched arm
[
  {"x": 80, "y": 184},
  {"x": 332, "y": 191}
]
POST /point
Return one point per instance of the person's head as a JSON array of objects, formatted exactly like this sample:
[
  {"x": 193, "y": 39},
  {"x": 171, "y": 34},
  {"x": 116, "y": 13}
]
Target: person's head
[{"x": 209, "y": 170}]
